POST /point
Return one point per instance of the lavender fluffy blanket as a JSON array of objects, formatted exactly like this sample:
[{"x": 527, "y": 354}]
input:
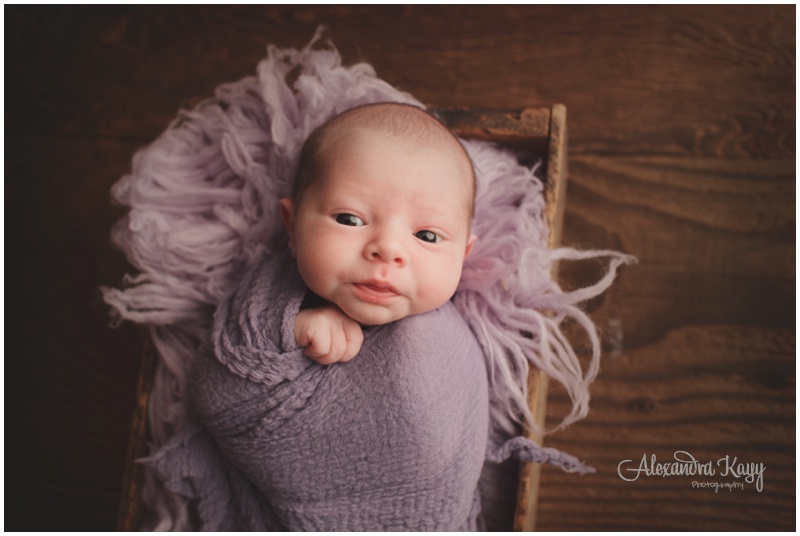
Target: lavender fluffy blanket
[{"x": 202, "y": 215}]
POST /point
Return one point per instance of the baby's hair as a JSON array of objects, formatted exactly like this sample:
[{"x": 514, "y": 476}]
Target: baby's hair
[{"x": 403, "y": 121}]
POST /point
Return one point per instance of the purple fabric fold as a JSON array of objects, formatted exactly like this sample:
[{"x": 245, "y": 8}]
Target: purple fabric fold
[
  {"x": 526, "y": 450},
  {"x": 192, "y": 466},
  {"x": 394, "y": 440}
]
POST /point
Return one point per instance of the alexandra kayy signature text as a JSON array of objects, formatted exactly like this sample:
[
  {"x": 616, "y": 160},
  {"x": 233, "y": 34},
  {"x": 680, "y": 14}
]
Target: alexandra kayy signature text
[{"x": 687, "y": 465}]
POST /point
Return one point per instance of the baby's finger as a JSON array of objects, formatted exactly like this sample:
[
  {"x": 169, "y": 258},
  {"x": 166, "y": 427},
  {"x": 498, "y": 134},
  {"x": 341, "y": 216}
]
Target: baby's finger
[
  {"x": 354, "y": 337},
  {"x": 301, "y": 336},
  {"x": 319, "y": 344},
  {"x": 338, "y": 344}
]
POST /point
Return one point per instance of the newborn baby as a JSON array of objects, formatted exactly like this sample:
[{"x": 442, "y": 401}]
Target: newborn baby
[{"x": 341, "y": 381}]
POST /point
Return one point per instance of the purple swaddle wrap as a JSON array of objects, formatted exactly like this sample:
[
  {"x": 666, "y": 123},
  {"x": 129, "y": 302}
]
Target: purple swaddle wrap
[
  {"x": 393, "y": 440},
  {"x": 203, "y": 212}
]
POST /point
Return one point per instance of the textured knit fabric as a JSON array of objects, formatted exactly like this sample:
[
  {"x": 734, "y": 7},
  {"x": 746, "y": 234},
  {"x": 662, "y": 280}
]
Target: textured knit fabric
[{"x": 392, "y": 440}]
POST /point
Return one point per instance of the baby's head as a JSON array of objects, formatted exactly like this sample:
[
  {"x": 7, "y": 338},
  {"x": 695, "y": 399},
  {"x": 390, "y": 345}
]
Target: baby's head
[{"x": 379, "y": 219}]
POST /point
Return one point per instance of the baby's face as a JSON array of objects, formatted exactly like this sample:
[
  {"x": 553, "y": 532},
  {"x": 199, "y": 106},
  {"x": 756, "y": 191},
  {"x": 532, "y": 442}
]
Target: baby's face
[{"x": 385, "y": 234}]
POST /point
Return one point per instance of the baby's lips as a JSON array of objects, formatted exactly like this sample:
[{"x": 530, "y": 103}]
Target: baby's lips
[
  {"x": 376, "y": 294},
  {"x": 379, "y": 286}
]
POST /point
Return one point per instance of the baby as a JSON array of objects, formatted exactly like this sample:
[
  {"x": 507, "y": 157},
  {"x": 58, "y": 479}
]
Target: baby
[
  {"x": 379, "y": 222},
  {"x": 341, "y": 383}
]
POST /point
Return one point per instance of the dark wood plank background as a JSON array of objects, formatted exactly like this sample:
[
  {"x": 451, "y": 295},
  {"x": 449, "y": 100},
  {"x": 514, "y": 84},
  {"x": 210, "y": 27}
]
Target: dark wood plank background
[{"x": 682, "y": 140}]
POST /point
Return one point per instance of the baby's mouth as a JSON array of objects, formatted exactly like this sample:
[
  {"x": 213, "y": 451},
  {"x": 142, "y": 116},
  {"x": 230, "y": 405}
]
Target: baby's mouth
[{"x": 376, "y": 291}]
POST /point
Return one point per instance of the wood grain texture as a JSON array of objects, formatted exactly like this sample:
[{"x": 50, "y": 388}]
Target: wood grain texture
[
  {"x": 657, "y": 399},
  {"x": 707, "y": 361},
  {"x": 69, "y": 389},
  {"x": 703, "y": 80},
  {"x": 682, "y": 143}
]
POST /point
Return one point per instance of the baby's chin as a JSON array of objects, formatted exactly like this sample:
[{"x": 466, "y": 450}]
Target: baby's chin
[
  {"x": 371, "y": 315},
  {"x": 375, "y": 319}
]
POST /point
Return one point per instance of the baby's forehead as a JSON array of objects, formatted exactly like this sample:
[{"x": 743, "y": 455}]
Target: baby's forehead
[
  {"x": 409, "y": 128},
  {"x": 400, "y": 121},
  {"x": 455, "y": 169},
  {"x": 348, "y": 141},
  {"x": 353, "y": 142}
]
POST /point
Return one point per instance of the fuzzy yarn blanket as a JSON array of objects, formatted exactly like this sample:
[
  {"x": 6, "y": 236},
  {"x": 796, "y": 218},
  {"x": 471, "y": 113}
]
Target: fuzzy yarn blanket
[{"x": 203, "y": 201}]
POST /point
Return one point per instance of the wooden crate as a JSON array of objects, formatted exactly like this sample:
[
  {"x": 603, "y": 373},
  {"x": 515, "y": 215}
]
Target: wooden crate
[
  {"x": 542, "y": 131},
  {"x": 539, "y": 131}
]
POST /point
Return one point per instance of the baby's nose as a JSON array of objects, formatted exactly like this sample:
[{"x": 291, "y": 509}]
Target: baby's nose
[{"x": 387, "y": 250}]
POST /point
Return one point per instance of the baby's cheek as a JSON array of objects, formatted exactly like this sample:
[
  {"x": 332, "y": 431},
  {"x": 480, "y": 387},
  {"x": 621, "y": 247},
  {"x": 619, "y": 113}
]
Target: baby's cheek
[
  {"x": 314, "y": 272},
  {"x": 436, "y": 287},
  {"x": 323, "y": 263},
  {"x": 312, "y": 267}
]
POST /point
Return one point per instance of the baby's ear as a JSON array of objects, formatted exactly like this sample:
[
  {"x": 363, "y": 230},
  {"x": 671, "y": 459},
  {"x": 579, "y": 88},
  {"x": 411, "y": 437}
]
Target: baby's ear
[
  {"x": 287, "y": 217},
  {"x": 470, "y": 242}
]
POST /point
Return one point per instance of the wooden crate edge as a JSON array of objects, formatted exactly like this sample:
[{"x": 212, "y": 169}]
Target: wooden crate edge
[{"x": 555, "y": 200}]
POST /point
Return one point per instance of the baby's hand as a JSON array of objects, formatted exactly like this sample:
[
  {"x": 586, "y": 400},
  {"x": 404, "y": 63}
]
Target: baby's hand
[{"x": 328, "y": 335}]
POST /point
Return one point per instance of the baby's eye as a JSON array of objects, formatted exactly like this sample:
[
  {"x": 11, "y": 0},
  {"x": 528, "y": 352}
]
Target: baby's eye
[
  {"x": 428, "y": 236},
  {"x": 349, "y": 219}
]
